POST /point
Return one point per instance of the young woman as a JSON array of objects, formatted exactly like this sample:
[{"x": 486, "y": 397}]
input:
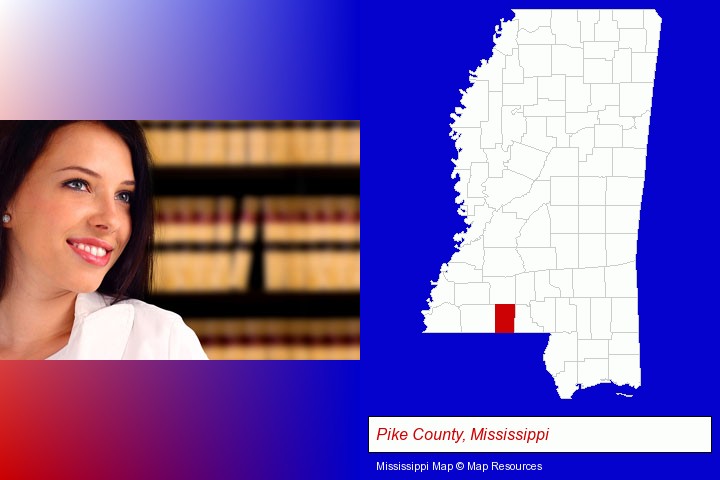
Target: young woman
[{"x": 75, "y": 246}]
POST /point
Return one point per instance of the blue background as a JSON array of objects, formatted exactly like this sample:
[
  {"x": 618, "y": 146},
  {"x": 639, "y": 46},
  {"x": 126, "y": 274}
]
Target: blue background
[
  {"x": 397, "y": 68},
  {"x": 408, "y": 223}
]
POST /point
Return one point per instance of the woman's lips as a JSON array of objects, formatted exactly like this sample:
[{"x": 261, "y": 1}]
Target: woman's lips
[{"x": 91, "y": 253}]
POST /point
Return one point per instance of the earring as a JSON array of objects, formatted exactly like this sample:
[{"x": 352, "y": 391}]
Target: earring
[{"x": 6, "y": 218}]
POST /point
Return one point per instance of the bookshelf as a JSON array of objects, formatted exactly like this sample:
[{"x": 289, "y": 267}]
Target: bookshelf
[
  {"x": 262, "y": 304},
  {"x": 258, "y": 224}
]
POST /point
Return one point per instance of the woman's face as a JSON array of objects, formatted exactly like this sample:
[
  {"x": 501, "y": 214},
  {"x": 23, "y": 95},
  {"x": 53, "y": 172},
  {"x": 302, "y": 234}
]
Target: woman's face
[{"x": 71, "y": 215}]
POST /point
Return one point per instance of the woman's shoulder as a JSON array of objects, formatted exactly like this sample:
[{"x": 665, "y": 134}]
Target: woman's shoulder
[
  {"x": 156, "y": 329},
  {"x": 152, "y": 313},
  {"x": 146, "y": 314}
]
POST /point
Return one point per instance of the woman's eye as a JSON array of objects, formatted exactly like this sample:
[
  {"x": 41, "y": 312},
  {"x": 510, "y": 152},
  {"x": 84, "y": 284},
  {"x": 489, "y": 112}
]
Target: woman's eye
[
  {"x": 125, "y": 197},
  {"x": 80, "y": 185}
]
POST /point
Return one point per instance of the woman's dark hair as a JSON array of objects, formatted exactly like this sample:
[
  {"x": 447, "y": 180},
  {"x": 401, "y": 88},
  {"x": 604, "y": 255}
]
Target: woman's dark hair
[{"x": 21, "y": 142}]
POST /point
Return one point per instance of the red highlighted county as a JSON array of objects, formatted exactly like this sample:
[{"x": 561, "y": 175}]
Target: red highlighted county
[{"x": 504, "y": 318}]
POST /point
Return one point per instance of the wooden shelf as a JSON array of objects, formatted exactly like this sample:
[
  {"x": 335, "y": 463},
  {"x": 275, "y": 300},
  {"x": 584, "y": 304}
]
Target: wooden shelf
[
  {"x": 259, "y": 304},
  {"x": 253, "y": 180}
]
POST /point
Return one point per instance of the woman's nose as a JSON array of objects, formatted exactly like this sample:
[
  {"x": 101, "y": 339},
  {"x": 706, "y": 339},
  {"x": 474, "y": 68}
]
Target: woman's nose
[{"x": 106, "y": 214}]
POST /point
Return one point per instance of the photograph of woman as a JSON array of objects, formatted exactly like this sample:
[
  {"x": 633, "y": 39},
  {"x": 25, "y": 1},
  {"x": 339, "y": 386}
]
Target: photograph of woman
[{"x": 75, "y": 237}]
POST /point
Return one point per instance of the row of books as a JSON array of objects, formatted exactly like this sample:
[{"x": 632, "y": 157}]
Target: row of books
[
  {"x": 302, "y": 244},
  {"x": 279, "y": 339},
  {"x": 282, "y": 219},
  {"x": 319, "y": 270},
  {"x": 244, "y": 143}
]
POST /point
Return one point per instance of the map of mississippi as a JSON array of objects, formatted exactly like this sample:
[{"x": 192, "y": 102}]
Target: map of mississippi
[{"x": 552, "y": 141}]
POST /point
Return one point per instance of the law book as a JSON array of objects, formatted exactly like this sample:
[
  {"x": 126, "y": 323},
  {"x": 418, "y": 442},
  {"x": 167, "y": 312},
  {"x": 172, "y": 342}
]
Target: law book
[
  {"x": 345, "y": 143},
  {"x": 224, "y": 221},
  {"x": 258, "y": 143},
  {"x": 237, "y": 144},
  {"x": 318, "y": 143},
  {"x": 206, "y": 143},
  {"x": 175, "y": 143},
  {"x": 280, "y": 137},
  {"x": 155, "y": 135},
  {"x": 247, "y": 218}
]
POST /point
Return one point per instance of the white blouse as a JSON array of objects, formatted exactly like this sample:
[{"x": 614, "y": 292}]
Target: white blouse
[{"x": 128, "y": 330}]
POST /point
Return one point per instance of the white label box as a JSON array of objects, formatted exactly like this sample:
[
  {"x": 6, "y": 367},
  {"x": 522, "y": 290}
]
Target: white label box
[{"x": 540, "y": 434}]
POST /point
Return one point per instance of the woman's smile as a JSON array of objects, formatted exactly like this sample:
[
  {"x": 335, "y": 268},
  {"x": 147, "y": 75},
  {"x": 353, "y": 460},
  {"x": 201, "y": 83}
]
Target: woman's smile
[{"x": 92, "y": 250}]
